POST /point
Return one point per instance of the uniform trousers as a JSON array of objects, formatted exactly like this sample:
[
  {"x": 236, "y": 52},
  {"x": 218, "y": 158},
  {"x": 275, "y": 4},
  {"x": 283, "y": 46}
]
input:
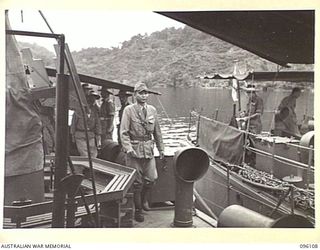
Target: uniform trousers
[
  {"x": 82, "y": 147},
  {"x": 146, "y": 169}
]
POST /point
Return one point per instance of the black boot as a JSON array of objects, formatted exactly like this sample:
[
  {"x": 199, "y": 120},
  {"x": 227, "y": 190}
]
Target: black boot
[
  {"x": 138, "y": 216},
  {"x": 145, "y": 198},
  {"x": 145, "y": 195}
]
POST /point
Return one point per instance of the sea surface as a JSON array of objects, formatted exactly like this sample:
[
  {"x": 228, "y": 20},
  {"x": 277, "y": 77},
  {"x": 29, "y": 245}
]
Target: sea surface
[
  {"x": 177, "y": 103},
  {"x": 174, "y": 107}
]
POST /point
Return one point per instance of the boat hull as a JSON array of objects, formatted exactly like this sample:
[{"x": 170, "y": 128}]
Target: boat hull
[
  {"x": 217, "y": 194},
  {"x": 279, "y": 168}
]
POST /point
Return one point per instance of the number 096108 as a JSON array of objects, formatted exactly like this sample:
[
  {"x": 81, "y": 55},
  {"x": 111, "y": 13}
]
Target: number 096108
[{"x": 308, "y": 246}]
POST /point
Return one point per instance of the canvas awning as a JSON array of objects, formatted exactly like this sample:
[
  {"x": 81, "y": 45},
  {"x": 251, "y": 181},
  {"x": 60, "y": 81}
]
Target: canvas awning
[
  {"x": 287, "y": 76},
  {"x": 281, "y": 37}
]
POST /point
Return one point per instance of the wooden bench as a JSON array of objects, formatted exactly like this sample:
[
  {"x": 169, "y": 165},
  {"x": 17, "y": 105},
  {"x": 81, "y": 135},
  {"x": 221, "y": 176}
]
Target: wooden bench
[
  {"x": 114, "y": 191},
  {"x": 44, "y": 220}
]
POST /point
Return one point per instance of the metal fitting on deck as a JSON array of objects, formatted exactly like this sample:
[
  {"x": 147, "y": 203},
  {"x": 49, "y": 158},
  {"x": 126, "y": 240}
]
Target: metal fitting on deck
[{"x": 190, "y": 164}]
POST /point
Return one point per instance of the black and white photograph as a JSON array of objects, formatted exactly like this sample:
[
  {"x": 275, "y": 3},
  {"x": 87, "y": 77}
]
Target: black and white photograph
[{"x": 159, "y": 119}]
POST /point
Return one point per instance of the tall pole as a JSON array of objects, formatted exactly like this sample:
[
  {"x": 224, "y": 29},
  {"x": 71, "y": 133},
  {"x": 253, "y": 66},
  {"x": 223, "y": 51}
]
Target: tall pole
[{"x": 62, "y": 135}]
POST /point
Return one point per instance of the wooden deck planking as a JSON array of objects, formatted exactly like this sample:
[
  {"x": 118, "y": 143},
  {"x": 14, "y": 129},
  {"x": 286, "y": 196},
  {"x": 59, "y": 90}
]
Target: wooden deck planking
[{"x": 163, "y": 218}]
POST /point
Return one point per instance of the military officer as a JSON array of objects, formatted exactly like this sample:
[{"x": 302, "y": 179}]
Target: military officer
[{"x": 139, "y": 131}]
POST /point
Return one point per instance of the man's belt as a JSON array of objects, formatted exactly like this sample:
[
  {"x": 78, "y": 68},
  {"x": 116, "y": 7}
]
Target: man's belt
[
  {"x": 83, "y": 130},
  {"x": 141, "y": 138},
  {"x": 105, "y": 118}
]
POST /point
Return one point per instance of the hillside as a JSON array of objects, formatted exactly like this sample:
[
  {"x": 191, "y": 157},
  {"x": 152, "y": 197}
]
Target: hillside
[{"x": 171, "y": 57}]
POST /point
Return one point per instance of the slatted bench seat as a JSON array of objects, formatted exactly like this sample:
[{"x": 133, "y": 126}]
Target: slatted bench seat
[
  {"x": 45, "y": 220},
  {"x": 113, "y": 191}
]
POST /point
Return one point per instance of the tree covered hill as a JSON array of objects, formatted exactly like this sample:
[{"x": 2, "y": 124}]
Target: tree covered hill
[{"x": 171, "y": 57}]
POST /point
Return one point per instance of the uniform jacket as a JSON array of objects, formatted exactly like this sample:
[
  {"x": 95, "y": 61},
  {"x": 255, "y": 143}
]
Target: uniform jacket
[
  {"x": 138, "y": 133},
  {"x": 289, "y": 124},
  {"x": 107, "y": 111},
  {"x": 107, "y": 108},
  {"x": 254, "y": 106},
  {"x": 121, "y": 111},
  {"x": 93, "y": 124}
]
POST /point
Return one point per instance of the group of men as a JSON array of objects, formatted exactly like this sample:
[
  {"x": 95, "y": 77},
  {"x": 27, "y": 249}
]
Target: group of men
[
  {"x": 138, "y": 131},
  {"x": 286, "y": 123},
  {"x": 99, "y": 120}
]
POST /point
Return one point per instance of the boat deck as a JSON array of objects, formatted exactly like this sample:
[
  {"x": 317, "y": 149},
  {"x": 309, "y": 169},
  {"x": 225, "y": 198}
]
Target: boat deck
[
  {"x": 155, "y": 218},
  {"x": 163, "y": 218}
]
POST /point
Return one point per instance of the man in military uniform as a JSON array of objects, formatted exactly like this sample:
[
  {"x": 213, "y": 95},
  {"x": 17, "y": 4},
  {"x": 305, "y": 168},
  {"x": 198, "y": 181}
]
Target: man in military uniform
[
  {"x": 252, "y": 115},
  {"x": 78, "y": 129},
  {"x": 86, "y": 88},
  {"x": 123, "y": 96},
  {"x": 138, "y": 131},
  {"x": 286, "y": 123},
  {"x": 107, "y": 111},
  {"x": 252, "y": 119}
]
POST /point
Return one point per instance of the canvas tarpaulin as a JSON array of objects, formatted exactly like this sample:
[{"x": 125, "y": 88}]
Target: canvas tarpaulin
[
  {"x": 23, "y": 146},
  {"x": 221, "y": 141}
]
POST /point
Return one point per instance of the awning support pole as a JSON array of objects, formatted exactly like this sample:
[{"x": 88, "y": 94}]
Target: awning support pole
[{"x": 62, "y": 135}]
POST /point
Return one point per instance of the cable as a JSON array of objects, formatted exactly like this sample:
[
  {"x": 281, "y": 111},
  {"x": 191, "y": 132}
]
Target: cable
[
  {"x": 272, "y": 123},
  {"x": 247, "y": 125},
  {"x": 46, "y": 21},
  {"x": 165, "y": 112}
]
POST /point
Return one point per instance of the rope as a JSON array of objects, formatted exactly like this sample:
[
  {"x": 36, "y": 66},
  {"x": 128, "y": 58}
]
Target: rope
[
  {"x": 86, "y": 134},
  {"x": 46, "y": 21},
  {"x": 276, "y": 101},
  {"x": 246, "y": 195},
  {"x": 247, "y": 127},
  {"x": 165, "y": 112}
]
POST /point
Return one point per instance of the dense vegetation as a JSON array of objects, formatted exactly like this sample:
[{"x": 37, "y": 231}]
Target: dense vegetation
[{"x": 171, "y": 57}]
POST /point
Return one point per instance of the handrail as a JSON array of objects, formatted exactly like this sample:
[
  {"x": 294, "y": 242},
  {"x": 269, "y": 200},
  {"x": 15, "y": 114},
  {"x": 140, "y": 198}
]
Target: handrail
[{"x": 280, "y": 158}]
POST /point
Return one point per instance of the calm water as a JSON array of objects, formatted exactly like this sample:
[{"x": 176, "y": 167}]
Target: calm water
[{"x": 177, "y": 103}]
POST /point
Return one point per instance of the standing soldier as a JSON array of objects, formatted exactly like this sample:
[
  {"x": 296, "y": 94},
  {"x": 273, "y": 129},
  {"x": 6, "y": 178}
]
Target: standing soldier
[
  {"x": 123, "y": 96},
  {"x": 107, "y": 111},
  {"x": 254, "y": 111},
  {"x": 286, "y": 123},
  {"x": 78, "y": 130},
  {"x": 252, "y": 119},
  {"x": 86, "y": 88},
  {"x": 138, "y": 131}
]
